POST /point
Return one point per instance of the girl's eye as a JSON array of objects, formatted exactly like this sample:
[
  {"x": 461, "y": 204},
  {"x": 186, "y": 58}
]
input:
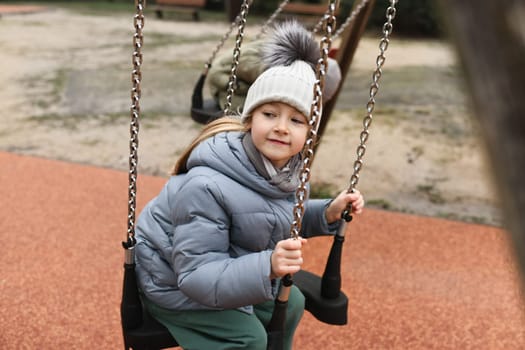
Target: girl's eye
[
  {"x": 269, "y": 114},
  {"x": 298, "y": 120}
]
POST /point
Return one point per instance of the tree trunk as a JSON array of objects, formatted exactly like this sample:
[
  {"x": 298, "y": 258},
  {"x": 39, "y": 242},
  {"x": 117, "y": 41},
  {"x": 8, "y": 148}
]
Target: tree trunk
[{"x": 490, "y": 41}]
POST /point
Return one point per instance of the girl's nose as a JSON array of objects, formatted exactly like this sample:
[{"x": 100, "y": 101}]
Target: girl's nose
[{"x": 282, "y": 124}]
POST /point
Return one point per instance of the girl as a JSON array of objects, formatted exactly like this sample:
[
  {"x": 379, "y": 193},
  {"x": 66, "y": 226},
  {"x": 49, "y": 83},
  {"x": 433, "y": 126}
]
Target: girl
[{"x": 213, "y": 244}]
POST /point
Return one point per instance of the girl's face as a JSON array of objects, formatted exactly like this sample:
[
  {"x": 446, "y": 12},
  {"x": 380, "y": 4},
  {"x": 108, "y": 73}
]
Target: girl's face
[{"x": 278, "y": 131}]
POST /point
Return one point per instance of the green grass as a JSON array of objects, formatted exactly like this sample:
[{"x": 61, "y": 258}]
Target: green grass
[
  {"x": 90, "y": 142},
  {"x": 58, "y": 84},
  {"x": 432, "y": 193},
  {"x": 54, "y": 87},
  {"x": 465, "y": 218},
  {"x": 158, "y": 39},
  {"x": 379, "y": 203},
  {"x": 322, "y": 190},
  {"x": 73, "y": 121},
  {"x": 56, "y": 120}
]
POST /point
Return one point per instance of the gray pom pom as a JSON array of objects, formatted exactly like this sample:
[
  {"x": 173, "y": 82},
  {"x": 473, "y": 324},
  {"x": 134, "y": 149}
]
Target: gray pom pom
[{"x": 289, "y": 42}]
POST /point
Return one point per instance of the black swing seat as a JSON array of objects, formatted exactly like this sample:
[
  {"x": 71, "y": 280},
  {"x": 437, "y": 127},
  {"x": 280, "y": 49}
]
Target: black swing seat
[
  {"x": 207, "y": 112},
  {"x": 203, "y": 111},
  {"x": 142, "y": 332},
  {"x": 324, "y": 299},
  {"x": 327, "y": 310},
  {"x": 150, "y": 335}
]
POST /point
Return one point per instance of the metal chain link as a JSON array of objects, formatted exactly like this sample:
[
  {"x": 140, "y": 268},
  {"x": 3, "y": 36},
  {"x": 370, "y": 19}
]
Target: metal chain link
[
  {"x": 351, "y": 18},
  {"x": 272, "y": 18},
  {"x": 374, "y": 88},
  {"x": 221, "y": 42},
  {"x": 136, "y": 77},
  {"x": 315, "y": 117},
  {"x": 345, "y": 24},
  {"x": 224, "y": 39},
  {"x": 236, "y": 54}
]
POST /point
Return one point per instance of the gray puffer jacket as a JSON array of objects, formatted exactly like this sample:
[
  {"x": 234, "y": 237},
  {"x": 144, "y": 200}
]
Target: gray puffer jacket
[{"x": 205, "y": 241}]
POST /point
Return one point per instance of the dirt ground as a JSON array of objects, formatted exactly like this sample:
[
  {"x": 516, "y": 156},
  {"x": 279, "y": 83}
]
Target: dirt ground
[{"x": 65, "y": 94}]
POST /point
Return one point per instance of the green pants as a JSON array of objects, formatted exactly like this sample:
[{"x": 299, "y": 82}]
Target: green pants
[{"x": 228, "y": 329}]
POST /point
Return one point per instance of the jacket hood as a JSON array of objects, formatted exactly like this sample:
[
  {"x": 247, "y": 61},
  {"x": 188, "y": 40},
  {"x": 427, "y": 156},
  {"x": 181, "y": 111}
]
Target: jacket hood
[{"x": 225, "y": 154}]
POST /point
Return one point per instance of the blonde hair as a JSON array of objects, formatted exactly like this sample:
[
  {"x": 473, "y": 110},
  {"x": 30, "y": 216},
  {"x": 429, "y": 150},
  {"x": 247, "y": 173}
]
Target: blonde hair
[{"x": 217, "y": 126}]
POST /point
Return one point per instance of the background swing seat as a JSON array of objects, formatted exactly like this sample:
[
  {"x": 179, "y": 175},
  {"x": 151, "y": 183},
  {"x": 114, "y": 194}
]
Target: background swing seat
[
  {"x": 203, "y": 111},
  {"x": 206, "y": 113}
]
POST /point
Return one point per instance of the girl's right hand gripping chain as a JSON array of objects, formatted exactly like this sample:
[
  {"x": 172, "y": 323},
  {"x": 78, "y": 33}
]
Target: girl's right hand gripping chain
[{"x": 287, "y": 257}]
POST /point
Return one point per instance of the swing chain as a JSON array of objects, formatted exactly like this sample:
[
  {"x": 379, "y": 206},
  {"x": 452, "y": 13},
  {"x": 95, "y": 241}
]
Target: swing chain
[
  {"x": 272, "y": 18},
  {"x": 346, "y": 23},
  {"x": 374, "y": 88},
  {"x": 221, "y": 43},
  {"x": 236, "y": 54},
  {"x": 315, "y": 113},
  {"x": 224, "y": 38},
  {"x": 136, "y": 77}
]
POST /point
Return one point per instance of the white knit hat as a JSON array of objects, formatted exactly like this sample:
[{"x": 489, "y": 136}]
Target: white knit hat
[
  {"x": 293, "y": 85},
  {"x": 290, "y": 56}
]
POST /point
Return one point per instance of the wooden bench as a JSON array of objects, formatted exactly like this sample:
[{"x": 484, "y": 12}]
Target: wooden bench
[
  {"x": 191, "y": 6},
  {"x": 301, "y": 8}
]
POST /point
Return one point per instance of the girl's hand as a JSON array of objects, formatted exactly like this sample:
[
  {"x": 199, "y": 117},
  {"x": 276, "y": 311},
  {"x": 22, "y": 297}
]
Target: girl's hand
[
  {"x": 340, "y": 203},
  {"x": 287, "y": 257}
]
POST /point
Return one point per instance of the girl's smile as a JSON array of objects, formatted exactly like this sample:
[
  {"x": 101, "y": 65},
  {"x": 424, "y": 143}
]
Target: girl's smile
[{"x": 278, "y": 142}]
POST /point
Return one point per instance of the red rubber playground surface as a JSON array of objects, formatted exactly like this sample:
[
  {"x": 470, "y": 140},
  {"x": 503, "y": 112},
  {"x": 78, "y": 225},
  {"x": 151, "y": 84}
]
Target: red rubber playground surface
[{"x": 413, "y": 282}]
